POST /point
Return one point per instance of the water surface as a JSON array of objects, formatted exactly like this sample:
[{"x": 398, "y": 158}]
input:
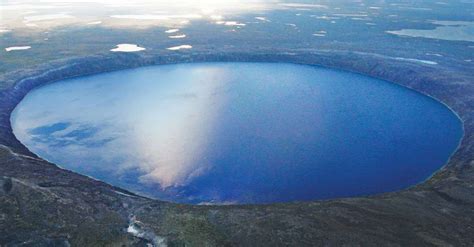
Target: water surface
[
  {"x": 239, "y": 132},
  {"x": 447, "y": 30}
]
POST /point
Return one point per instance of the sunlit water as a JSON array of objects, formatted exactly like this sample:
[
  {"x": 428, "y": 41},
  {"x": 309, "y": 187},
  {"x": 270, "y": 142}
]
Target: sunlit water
[{"x": 239, "y": 132}]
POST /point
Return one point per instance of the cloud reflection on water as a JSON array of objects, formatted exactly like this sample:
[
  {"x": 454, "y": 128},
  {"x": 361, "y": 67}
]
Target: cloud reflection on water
[{"x": 164, "y": 132}]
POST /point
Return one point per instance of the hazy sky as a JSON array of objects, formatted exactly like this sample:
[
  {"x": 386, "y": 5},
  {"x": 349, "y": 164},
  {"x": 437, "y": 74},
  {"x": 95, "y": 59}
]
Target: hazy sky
[{"x": 50, "y": 13}]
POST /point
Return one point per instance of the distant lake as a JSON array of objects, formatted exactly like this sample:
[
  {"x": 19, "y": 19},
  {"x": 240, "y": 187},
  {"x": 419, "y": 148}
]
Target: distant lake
[
  {"x": 447, "y": 30},
  {"x": 232, "y": 133}
]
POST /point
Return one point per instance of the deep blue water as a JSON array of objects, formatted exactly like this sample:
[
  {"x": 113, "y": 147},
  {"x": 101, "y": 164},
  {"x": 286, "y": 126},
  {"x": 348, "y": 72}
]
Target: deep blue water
[{"x": 239, "y": 132}]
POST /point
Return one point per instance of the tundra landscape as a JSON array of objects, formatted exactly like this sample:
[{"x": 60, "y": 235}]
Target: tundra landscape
[{"x": 236, "y": 123}]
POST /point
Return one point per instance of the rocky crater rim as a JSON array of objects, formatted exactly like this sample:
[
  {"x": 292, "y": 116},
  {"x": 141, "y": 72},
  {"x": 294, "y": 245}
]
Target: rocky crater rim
[{"x": 21, "y": 82}]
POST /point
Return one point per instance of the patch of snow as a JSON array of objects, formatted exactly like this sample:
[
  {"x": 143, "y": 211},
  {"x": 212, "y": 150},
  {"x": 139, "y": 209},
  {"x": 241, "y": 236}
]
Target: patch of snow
[
  {"x": 123, "y": 194},
  {"x": 325, "y": 17},
  {"x": 177, "y": 36},
  {"x": 261, "y": 18},
  {"x": 172, "y": 30},
  {"x": 321, "y": 33},
  {"x": 175, "y": 48},
  {"x": 230, "y": 23},
  {"x": 416, "y": 60},
  {"x": 17, "y": 48},
  {"x": 127, "y": 48},
  {"x": 434, "y": 54},
  {"x": 361, "y": 19}
]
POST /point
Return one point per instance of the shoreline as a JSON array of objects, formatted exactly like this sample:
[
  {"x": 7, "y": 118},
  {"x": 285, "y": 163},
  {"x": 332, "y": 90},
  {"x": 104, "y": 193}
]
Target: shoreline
[
  {"x": 41, "y": 84},
  {"x": 450, "y": 188}
]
